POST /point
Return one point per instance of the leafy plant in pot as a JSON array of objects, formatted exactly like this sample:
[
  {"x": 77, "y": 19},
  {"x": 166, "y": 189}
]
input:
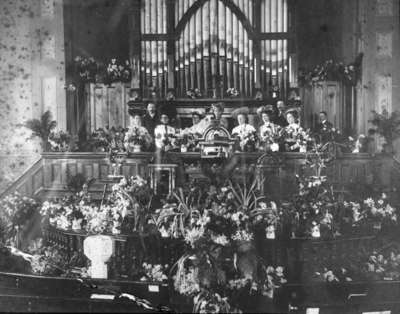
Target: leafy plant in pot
[
  {"x": 42, "y": 128},
  {"x": 388, "y": 126}
]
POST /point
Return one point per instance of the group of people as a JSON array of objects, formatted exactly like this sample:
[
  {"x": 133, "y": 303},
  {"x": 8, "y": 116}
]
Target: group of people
[{"x": 155, "y": 124}]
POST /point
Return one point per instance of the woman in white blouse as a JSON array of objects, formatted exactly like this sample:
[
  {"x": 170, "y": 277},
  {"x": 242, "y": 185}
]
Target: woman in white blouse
[{"x": 243, "y": 129}]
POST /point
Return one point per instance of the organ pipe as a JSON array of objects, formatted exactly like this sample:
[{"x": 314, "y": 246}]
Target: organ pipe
[{"x": 214, "y": 44}]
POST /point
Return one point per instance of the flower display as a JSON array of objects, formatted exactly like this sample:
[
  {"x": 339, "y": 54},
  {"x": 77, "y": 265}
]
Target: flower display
[
  {"x": 60, "y": 141},
  {"x": 118, "y": 71},
  {"x": 87, "y": 68},
  {"x": 17, "y": 212},
  {"x": 194, "y": 93},
  {"x": 333, "y": 71},
  {"x": 124, "y": 210},
  {"x": 232, "y": 92},
  {"x": 154, "y": 273}
]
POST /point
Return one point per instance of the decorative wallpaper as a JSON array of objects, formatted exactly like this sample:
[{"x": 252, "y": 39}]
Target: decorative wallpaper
[{"x": 26, "y": 46}]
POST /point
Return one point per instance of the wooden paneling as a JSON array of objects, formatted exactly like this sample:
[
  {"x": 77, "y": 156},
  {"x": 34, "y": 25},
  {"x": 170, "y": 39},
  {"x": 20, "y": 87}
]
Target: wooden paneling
[
  {"x": 49, "y": 176},
  {"x": 107, "y": 106}
]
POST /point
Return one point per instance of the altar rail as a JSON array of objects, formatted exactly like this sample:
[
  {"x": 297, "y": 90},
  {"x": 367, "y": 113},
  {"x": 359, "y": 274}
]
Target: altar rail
[{"x": 49, "y": 176}]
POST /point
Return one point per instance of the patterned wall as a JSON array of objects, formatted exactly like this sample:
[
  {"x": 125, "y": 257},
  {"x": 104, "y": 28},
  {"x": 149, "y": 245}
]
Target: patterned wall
[{"x": 31, "y": 77}]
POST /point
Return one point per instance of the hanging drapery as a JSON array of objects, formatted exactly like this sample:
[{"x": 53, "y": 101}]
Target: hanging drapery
[{"x": 214, "y": 47}]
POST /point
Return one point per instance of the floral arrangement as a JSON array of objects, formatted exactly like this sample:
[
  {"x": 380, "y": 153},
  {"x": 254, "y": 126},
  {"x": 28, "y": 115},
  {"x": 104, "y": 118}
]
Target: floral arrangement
[
  {"x": 87, "y": 68},
  {"x": 386, "y": 125},
  {"x": 60, "y": 141},
  {"x": 333, "y": 71},
  {"x": 118, "y": 71},
  {"x": 296, "y": 138},
  {"x": 271, "y": 139},
  {"x": 137, "y": 137},
  {"x": 17, "y": 213},
  {"x": 371, "y": 213},
  {"x": 232, "y": 92},
  {"x": 218, "y": 227},
  {"x": 194, "y": 93},
  {"x": 154, "y": 273},
  {"x": 187, "y": 141},
  {"x": 268, "y": 217},
  {"x": 125, "y": 210}
]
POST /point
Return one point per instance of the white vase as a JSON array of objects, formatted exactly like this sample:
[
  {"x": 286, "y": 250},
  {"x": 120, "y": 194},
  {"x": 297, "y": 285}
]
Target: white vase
[
  {"x": 270, "y": 232},
  {"x": 303, "y": 148},
  {"x": 184, "y": 149},
  {"x": 315, "y": 231},
  {"x": 137, "y": 148}
]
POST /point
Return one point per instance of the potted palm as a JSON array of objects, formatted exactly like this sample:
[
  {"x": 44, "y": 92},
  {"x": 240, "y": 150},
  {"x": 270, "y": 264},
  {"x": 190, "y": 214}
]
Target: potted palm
[{"x": 42, "y": 128}]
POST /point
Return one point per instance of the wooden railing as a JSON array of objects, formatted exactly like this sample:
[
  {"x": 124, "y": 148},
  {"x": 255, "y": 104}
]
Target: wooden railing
[{"x": 49, "y": 176}]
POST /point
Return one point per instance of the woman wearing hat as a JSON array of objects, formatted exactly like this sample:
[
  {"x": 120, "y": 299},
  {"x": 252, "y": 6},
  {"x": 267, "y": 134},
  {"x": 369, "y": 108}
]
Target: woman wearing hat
[
  {"x": 292, "y": 130},
  {"x": 244, "y": 131},
  {"x": 269, "y": 131}
]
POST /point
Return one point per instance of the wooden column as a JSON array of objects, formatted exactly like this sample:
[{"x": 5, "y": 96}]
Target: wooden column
[
  {"x": 171, "y": 45},
  {"x": 135, "y": 44},
  {"x": 257, "y": 45}
]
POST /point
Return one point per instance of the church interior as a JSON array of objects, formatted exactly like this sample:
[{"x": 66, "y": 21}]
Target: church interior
[{"x": 200, "y": 156}]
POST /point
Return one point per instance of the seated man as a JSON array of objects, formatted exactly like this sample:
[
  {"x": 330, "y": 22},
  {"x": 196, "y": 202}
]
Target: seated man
[
  {"x": 164, "y": 134},
  {"x": 151, "y": 118}
]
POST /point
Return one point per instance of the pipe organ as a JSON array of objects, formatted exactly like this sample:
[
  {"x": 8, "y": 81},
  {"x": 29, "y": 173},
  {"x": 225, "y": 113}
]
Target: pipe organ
[{"x": 213, "y": 45}]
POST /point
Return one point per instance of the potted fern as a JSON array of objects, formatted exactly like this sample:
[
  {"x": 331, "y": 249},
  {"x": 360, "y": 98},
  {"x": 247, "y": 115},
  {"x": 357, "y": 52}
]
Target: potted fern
[
  {"x": 388, "y": 126},
  {"x": 42, "y": 128}
]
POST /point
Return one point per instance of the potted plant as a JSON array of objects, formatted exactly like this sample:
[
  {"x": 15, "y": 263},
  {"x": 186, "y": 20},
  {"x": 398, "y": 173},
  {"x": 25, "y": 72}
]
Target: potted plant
[
  {"x": 42, "y": 128},
  {"x": 388, "y": 126}
]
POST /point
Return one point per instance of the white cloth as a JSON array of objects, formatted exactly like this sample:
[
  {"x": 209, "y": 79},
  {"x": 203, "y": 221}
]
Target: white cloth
[
  {"x": 161, "y": 132},
  {"x": 243, "y": 130}
]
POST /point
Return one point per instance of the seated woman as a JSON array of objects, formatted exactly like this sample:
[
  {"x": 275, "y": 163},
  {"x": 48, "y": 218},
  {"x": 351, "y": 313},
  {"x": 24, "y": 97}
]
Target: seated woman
[
  {"x": 269, "y": 132},
  {"x": 245, "y": 132},
  {"x": 137, "y": 135}
]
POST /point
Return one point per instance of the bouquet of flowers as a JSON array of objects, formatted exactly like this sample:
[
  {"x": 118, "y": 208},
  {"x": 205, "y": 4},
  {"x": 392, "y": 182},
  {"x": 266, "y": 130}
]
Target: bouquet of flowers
[
  {"x": 17, "y": 213},
  {"x": 100, "y": 140},
  {"x": 136, "y": 136},
  {"x": 333, "y": 71},
  {"x": 187, "y": 141},
  {"x": 87, "y": 68},
  {"x": 154, "y": 273},
  {"x": 272, "y": 138},
  {"x": 232, "y": 92},
  {"x": 194, "y": 93},
  {"x": 383, "y": 267},
  {"x": 268, "y": 217},
  {"x": 379, "y": 212},
  {"x": 118, "y": 72},
  {"x": 60, "y": 141}
]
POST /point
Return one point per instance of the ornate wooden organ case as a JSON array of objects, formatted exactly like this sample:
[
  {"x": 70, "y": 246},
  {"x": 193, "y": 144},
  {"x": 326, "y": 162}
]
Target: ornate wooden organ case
[{"x": 212, "y": 45}]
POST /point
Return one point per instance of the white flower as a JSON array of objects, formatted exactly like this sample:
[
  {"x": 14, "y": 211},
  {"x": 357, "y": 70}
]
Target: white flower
[{"x": 220, "y": 239}]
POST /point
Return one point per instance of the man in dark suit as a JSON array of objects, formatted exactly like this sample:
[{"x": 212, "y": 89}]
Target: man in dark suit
[
  {"x": 323, "y": 125},
  {"x": 280, "y": 118},
  {"x": 324, "y": 128},
  {"x": 151, "y": 118}
]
